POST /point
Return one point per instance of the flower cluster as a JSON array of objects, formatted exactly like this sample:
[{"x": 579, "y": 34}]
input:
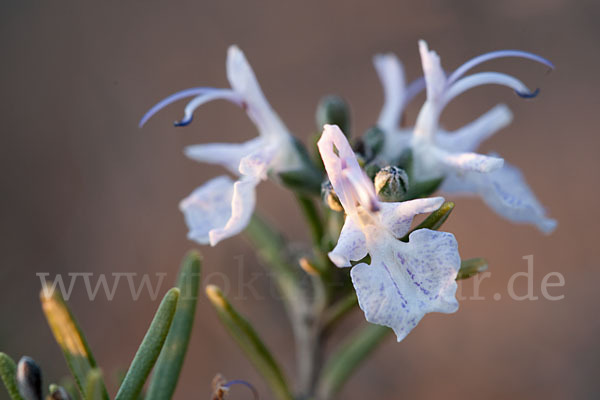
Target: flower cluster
[
  {"x": 221, "y": 208},
  {"x": 396, "y": 281},
  {"x": 449, "y": 155}
]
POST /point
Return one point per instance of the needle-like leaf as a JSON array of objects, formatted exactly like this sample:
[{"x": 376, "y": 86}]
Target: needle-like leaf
[
  {"x": 8, "y": 373},
  {"x": 166, "y": 373},
  {"x": 149, "y": 350},
  {"x": 248, "y": 339},
  {"x": 69, "y": 337}
]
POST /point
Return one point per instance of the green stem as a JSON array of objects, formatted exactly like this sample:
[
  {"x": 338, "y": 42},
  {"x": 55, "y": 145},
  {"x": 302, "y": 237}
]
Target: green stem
[
  {"x": 250, "y": 342},
  {"x": 348, "y": 357},
  {"x": 313, "y": 218},
  {"x": 149, "y": 350}
]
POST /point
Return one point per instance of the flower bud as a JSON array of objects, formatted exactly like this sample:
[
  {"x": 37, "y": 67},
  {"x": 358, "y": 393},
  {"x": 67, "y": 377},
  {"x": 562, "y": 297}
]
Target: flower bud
[
  {"x": 391, "y": 183},
  {"x": 333, "y": 110},
  {"x": 58, "y": 393},
  {"x": 330, "y": 198},
  {"x": 373, "y": 141},
  {"x": 29, "y": 379}
]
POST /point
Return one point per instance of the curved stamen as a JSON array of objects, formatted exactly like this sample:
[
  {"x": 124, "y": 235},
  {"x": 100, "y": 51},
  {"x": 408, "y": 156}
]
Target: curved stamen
[
  {"x": 486, "y": 78},
  {"x": 171, "y": 99},
  {"x": 460, "y": 71},
  {"x": 214, "y": 94},
  {"x": 529, "y": 95},
  {"x": 243, "y": 383}
]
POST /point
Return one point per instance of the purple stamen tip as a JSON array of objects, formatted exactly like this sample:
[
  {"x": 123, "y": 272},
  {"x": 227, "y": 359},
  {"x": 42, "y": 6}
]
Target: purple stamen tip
[
  {"x": 183, "y": 122},
  {"x": 529, "y": 95},
  {"x": 243, "y": 383}
]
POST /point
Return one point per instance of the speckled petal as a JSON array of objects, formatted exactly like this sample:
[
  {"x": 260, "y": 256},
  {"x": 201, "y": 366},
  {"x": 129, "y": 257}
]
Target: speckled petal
[
  {"x": 351, "y": 245},
  {"x": 469, "y": 162},
  {"x": 507, "y": 193},
  {"x": 407, "y": 280}
]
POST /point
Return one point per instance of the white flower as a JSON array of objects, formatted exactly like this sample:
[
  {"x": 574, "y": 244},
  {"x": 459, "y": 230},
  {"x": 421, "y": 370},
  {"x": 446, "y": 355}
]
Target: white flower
[
  {"x": 438, "y": 153},
  {"x": 222, "y": 208},
  {"x": 403, "y": 281}
]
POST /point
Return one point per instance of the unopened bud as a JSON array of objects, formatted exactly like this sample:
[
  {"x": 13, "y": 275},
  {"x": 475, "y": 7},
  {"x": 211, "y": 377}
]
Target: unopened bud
[
  {"x": 58, "y": 393},
  {"x": 391, "y": 183},
  {"x": 330, "y": 198},
  {"x": 373, "y": 141},
  {"x": 29, "y": 379},
  {"x": 333, "y": 110}
]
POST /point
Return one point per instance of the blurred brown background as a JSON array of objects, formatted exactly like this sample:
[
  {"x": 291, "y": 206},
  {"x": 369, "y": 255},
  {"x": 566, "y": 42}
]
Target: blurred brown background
[{"x": 85, "y": 190}]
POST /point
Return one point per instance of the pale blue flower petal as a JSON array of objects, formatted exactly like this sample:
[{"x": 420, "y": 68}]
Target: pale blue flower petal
[
  {"x": 507, "y": 193},
  {"x": 391, "y": 75},
  {"x": 221, "y": 208},
  {"x": 396, "y": 143},
  {"x": 398, "y": 217},
  {"x": 208, "y": 208},
  {"x": 228, "y": 155},
  {"x": 407, "y": 280},
  {"x": 433, "y": 71},
  {"x": 243, "y": 201},
  {"x": 351, "y": 245},
  {"x": 469, "y": 137},
  {"x": 350, "y": 182},
  {"x": 243, "y": 81},
  {"x": 468, "y": 162}
]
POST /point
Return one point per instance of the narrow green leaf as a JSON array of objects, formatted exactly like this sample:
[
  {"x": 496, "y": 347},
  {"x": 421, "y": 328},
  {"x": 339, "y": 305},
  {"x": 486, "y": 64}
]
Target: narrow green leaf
[
  {"x": 8, "y": 373},
  {"x": 248, "y": 339},
  {"x": 344, "y": 361},
  {"x": 313, "y": 218},
  {"x": 169, "y": 364},
  {"x": 471, "y": 267},
  {"x": 149, "y": 350},
  {"x": 435, "y": 220},
  {"x": 93, "y": 385},
  {"x": 69, "y": 337}
]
